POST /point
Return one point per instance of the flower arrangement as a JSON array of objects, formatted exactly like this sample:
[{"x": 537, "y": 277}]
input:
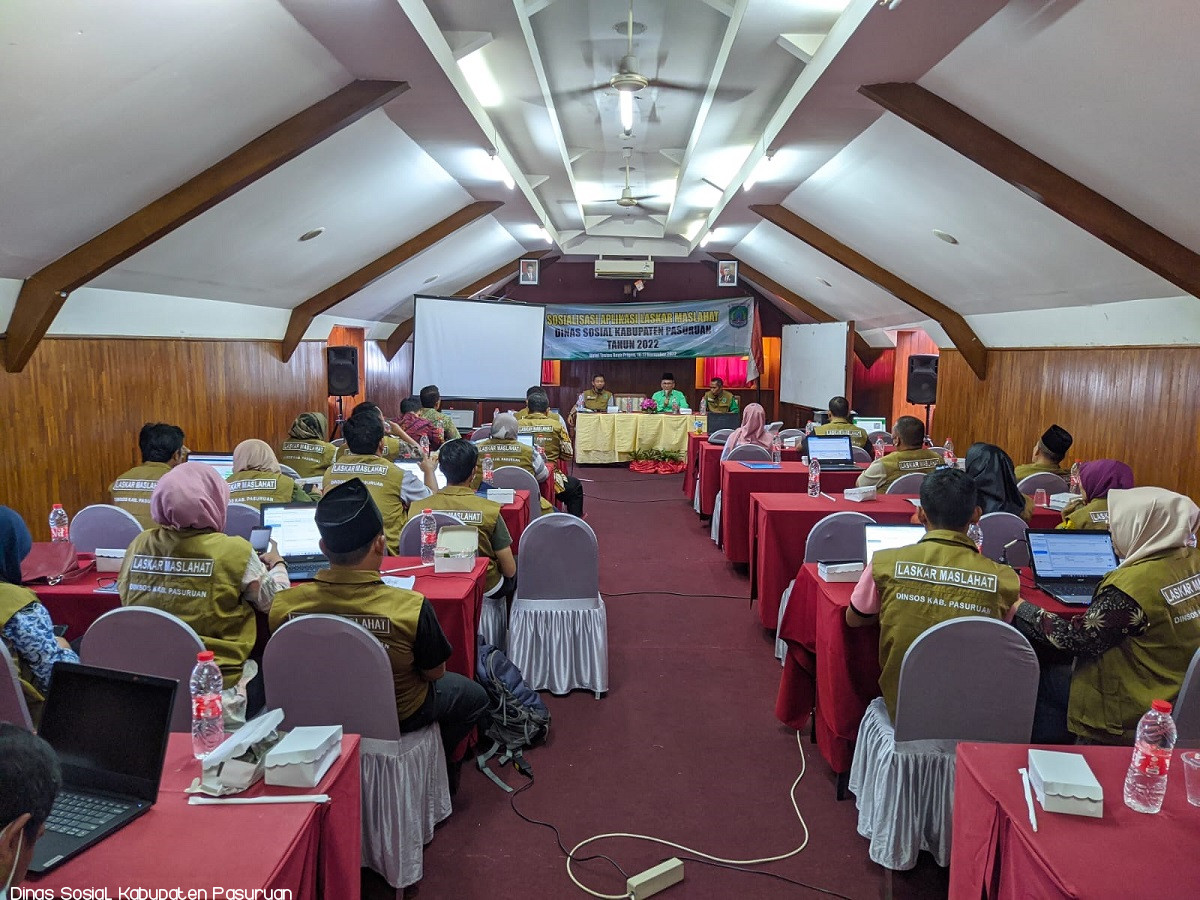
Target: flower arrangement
[
  {"x": 649, "y": 405},
  {"x": 656, "y": 462}
]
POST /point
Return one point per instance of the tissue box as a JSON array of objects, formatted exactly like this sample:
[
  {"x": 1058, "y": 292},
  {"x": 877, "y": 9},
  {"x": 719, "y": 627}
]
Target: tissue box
[
  {"x": 841, "y": 570},
  {"x": 860, "y": 494},
  {"x": 109, "y": 560},
  {"x": 1064, "y": 783},
  {"x": 455, "y": 551},
  {"x": 501, "y": 495},
  {"x": 303, "y": 757}
]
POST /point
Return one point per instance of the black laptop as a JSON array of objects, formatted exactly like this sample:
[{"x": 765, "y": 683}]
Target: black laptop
[
  {"x": 833, "y": 453},
  {"x": 718, "y": 421},
  {"x": 294, "y": 531},
  {"x": 1068, "y": 565},
  {"x": 109, "y": 730}
]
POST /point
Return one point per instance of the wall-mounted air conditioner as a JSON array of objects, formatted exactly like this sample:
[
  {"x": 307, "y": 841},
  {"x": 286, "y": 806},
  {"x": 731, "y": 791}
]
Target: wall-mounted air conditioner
[{"x": 625, "y": 268}]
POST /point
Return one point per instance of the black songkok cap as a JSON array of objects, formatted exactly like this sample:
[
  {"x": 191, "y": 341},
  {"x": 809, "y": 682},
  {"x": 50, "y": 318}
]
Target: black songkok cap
[
  {"x": 1057, "y": 440},
  {"x": 348, "y": 518},
  {"x": 667, "y": 376}
]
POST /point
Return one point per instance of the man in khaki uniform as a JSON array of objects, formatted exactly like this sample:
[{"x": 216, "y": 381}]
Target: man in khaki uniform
[
  {"x": 941, "y": 577},
  {"x": 431, "y": 409},
  {"x": 352, "y": 539},
  {"x": 839, "y": 423},
  {"x": 717, "y": 399},
  {"x": 1048, "y": 454},
  {"x": 162, "y": 449},
  {"x": 505, "y": 450},
  {"x": 908, "y": 437},
  {"x": 595, "y": 398},
  {"x": 552, "y": 440},
  {"x": 523, "y": 412},
  {"x": 391, "y": 487}
]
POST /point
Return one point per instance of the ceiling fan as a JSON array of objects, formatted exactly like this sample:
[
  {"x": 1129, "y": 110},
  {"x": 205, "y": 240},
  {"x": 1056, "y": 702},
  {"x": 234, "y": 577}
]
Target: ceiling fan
[{"x": 628, "y": 198}]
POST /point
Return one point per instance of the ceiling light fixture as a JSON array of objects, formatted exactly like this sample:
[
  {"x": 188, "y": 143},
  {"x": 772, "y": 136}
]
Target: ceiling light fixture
[
  {"x": 625, "y": 102},
  {"x": 430, "y": 280},
  {"x": 760, "y": 170},
  {"x": 500, "y": 170},
  {"x": 824, "y": 282},
  {"x": 309, "y": 235},
  {"x": 475, "y": 69},
  {"x": 944, "y": 236}
]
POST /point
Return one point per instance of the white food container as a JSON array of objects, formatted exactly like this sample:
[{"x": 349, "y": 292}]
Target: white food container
[{"x": 303, "y": 757}]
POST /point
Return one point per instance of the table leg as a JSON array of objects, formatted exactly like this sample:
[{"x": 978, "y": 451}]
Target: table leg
[{"x": 843, "y": 783}]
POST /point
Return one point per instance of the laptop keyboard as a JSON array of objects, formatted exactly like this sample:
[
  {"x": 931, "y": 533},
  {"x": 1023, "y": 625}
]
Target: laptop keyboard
[
  {"x": 78, "y": 815},
  {"x": 305, "y": 571}
]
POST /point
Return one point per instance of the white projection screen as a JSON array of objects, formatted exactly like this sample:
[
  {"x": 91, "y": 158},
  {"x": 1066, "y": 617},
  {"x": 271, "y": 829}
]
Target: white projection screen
[
  {"x": 477, "y": 349},
  {"x": 814, "y": 363}
]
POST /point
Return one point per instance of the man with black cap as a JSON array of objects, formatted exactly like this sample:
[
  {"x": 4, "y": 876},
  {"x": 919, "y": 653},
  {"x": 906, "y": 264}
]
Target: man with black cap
[
  {"x": 1048, "y": 454},
  {"x": 352, "y": 538},
  {"x": 669, "y": 399}
]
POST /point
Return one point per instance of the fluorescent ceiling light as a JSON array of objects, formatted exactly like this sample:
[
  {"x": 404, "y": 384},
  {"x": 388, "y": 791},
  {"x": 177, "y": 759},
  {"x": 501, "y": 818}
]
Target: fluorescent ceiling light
[
  {"x": 500, "y": 171},
  {"x": 625, "y": 101},
  {"x": 759, "y": 171},
  {"x": 475, "y": 68}
]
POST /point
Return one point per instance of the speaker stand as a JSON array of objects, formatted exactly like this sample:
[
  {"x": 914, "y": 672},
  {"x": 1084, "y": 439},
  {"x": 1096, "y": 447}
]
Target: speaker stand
[
  {"x": 337, "y": 425},
  {"x": 928, "y": 422}
]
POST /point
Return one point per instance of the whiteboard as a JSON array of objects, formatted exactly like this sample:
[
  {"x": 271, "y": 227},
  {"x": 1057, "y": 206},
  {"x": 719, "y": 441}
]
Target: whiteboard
[{"x": 814, "y": 364}]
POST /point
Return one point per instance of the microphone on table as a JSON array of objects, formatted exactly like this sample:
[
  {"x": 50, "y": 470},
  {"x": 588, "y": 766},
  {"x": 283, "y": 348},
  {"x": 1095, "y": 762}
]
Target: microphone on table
[{"x": 1004, "y": 553}]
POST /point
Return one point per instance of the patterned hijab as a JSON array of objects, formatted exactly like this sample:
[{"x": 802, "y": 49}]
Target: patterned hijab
[
  {"x": 256, "y": 456},
  {"x": 1147, "y": 521},
  {"x": 15, "y": 543},
  {"x": 192, "y": 495},
  {"x": 309, "y": 426}
]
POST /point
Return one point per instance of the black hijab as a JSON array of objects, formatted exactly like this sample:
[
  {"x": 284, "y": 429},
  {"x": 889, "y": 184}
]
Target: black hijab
[
  {"x": 15, "y": 544},
  {"x": 992, "y": 471}
]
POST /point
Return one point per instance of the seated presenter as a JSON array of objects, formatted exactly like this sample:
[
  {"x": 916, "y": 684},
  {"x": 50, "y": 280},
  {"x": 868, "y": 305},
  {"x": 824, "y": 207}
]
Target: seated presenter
[
  {"x": 718, "y": 400},
  {"x": 595, "y": 398},
  {"x": 668, "y": 399}
]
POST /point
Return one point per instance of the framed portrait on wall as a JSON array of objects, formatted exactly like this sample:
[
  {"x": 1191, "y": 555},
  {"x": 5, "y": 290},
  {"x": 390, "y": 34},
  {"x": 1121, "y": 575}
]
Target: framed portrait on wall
[
  {"x": 727, "y": 273},
  {"x": 529, "y": 272}
]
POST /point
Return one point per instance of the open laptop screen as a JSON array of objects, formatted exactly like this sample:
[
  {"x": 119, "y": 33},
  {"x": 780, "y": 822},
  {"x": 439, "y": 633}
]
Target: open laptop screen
[
  {"x": 293, "y": 528},
  {"x": 889, "y": 537},
  {"x": 1072, "y": 554},
  {"x": 222, "y": 462},
  {"x": 870, "y": 425},
  {"x": 833, "y": 447},
  {"x": 526, "y": 439}
]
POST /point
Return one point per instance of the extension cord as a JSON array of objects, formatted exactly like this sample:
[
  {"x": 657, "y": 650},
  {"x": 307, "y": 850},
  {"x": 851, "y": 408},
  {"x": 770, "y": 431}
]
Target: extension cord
[{"x": 652, "y": 881}]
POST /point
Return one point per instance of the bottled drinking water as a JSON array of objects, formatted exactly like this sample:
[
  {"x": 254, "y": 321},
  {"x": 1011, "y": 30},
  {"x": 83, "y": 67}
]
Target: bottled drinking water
[
  {"x": 776, "y": 450},
  {"x": 1146, "y": 781},
  {"x": 59, "y": 530},
  {"x": 814, "y": 478},
  {"x": 425, "y": 444},
  {"x": 428, "y": 536},
  {"x": 927, "y": 443},
  {"x": 488, "y": 467},
  {"x": 879, "y": 448},
  {"x": 675, "y": 406},
  {"x": 949, "y": 455},
  {"x": 208, "y": 725},
  {"x": 975, "y": 533}
]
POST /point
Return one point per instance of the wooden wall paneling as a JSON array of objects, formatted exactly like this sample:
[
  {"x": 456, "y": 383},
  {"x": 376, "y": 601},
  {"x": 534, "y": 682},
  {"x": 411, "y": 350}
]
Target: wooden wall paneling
[
  {"x": 908, "y": 343},
  {"x": 389, "y": 381},
  {"x": 874, "y": 387}
]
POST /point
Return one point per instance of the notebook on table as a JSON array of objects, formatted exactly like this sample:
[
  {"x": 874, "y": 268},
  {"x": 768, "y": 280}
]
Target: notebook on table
[
  {"x": 1068, "y": 565},
  {"x": 833, "y": 452},
  {"x": 889, "y": 537},
  {"x": 109, "y": 730},
  {"x": 295, "y": 533}
]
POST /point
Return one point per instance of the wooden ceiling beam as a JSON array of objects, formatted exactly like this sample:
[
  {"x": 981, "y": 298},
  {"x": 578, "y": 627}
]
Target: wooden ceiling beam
[
  {"x": 964, "y": 337},
  {"x": 43, "y": 294},
  {"x": 303, "y": 315},
  {"x": 1053, "y": 188},
  {"x": 500, "y": 275},
  {"x": 396, "y": 339}
]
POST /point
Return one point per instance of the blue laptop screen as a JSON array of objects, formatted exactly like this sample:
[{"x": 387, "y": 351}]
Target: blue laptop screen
[{"x": 1072, "y": 554}]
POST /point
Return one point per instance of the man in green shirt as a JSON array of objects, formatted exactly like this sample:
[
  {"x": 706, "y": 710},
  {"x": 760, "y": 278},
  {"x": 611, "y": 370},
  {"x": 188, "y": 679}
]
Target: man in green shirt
[
  {"x": 718, "y": 400},
  {"x": 668, "y": 399},
  {"x": 162, "y": 449},
  {"x": 1048, "y": 454},
  {"x": 839, "y": 423},
  {"x": 910, "y": 455},
  {"x": 431, "y": 409}
]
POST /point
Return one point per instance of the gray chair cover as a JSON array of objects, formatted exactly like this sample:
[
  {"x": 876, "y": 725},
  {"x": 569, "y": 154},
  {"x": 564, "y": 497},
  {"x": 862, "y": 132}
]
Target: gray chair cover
[
  {"x": 289, "y": 472},
  {"x": 780, "y": 643},
  {"x": 325, "y": 670},
  {"x": 940, "y": 451},
  {"x": 860, "y": 454},
  {"x": 873, "y": 436},
  {"x": 241, "y": 519},
  {"x": 1187, "y": 706},
  {"x": 104, "y": 526},
  {"x": 558, "y": 630},
  {"x": 518, "y": 479},
  {"x": 774, "y": 426},
  {"x": 12, "y": 698},
  {"x": 482, "y": 433},
  {"x": 791, "y": 433},
  {"x": 907, "y": 484},
  {"x": 714, "y": 524},
  {"x": 748, "y": 452},
  {"x": 720, "y": 436},
  {"x": 493, "y": 621},
  {"x": 410, "y": 534},
  {"x": 999, "y": 529},
  {"x": 839, "y": 535},
  {"x": 1049, "y": 482},
  {"x": 148, "y": 641},
  {"x": 338, "y": 442},
  {"x": 968, "y": 679}
]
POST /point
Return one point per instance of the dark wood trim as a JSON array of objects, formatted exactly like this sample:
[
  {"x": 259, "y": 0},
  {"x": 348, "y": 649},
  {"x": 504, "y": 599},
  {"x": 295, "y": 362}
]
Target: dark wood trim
[
  {"x": 500, "y": 275},
  {"x": 964, "y": 337},
  {"x": 43, "y": 294},
  {"x": 1053, "y": 188},
  {"x": 397, "y": 338}
]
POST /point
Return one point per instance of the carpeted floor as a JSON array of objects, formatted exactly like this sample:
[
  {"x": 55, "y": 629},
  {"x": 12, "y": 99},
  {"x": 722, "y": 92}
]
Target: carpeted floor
[{"x": 685, "y": 745}]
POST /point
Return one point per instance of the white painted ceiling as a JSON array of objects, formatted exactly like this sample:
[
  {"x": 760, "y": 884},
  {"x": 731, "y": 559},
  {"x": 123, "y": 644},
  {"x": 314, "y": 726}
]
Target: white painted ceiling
[{"x": 108, "y": 106}]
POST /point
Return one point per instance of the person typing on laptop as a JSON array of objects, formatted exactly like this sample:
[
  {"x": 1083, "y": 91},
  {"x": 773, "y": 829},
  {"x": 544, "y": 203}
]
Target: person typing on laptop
[
  {"x": 29, "y": 781},
  {"x": 162, "y": 448},
  {"x": 839, "y": 423},
  {"x": 909, "y": 455},
  {"x": 1134, "y": 642}
]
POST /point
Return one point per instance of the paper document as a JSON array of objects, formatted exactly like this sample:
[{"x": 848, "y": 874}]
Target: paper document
[{"x": 400, "y": 581}]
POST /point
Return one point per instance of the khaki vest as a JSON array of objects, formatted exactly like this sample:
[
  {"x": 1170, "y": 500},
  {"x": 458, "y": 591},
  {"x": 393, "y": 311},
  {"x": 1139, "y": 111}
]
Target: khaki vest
[
  {"x": 14, "y": 598},
  {"x": 905, "y": 462},
  {"x": 549, "y": 434},
  {"x": 310, "y": 459},
  {"x": 942, "y": 577},
  {"x": 503, "y": 453},
  {"x": 473, "y": 510},
  {"x": 837, "y": 427},
  {"x": 1027, "y": 469},
  {"x": 197, "y": 577},
  {"x": 597, "y": 402},
  {"x": 132, "y": 490},
  {"x": 1109, "y": 693},
  {"x": 724, "y": 403},
  {"x": 257, "y": 488},
  {"x": 1091, "y": 516},
  {"x": 384, "y": 481},
  {"x": 391, "y": 614},
  {"x": 392, "y": 449}
]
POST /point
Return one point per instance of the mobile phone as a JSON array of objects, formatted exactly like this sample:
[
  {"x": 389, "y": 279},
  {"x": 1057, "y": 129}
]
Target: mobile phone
[
  {"x": 260, "y": 538},
  {"x": 59, "y": 630}
]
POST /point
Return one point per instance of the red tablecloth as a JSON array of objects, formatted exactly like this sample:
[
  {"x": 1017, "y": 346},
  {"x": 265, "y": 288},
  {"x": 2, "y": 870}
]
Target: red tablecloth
[
  {"x": 692, "y": 462},
  {"x": 311, "y": 849},
  {"x": 708, "y": 468},
  {"x": 456, "y": 598},
  {"x": 737, "y": 484},
  {"x": 516, "y": 516},
  {"x": 995, "y": 852},
  {"x": 836, "y": 668}
]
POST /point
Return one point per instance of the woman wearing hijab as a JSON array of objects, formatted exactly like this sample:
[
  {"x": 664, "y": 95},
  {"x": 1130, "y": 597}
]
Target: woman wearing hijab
[
  {"x": 25, "y": 626},
  {"x": 752, "y": 431},
  {"x": 214, "y": 582},
  {"x": 1096, "y": 479},
  {"x": 1134, "y": 643},
  {"x": 306, "y": 450},
  {"x": 992, "y": 471},
  {"x": 256, "y": 478}
]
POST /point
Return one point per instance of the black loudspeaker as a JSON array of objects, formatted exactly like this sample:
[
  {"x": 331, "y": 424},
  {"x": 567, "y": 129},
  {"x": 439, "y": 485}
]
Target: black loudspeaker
[
  {"x": 342, "y": 371},
  {"x": 922, "y": 379}
]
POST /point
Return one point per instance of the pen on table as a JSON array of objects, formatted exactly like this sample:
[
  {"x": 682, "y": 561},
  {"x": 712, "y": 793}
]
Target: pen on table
[
  {"x": 1028, "y": 797},
  {"x": 827, "y": 497}
]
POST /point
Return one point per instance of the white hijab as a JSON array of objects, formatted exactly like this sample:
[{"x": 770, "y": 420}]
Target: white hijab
[{"x": 1146, "y": 521}]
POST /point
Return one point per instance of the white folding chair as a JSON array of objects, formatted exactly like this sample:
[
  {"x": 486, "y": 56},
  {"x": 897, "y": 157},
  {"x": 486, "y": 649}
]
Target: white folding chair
[
  {"x": 103, "y": 526},
  {"x": 907, "y": 484}
]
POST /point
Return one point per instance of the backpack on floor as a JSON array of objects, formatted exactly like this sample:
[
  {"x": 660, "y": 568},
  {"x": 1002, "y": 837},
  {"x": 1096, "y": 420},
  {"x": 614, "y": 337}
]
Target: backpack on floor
[{"x": 519, "y": 718}]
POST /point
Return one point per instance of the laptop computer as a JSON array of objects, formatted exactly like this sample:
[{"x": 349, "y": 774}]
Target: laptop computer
[
  {"x": 720, "y": 421},
  {"x": 869, "y": 425},
  {"x": 109, "y": 730},
  {"x": 462, "y": 418},
  {"x": 222, "y": 462},
  {"x": 1068, "y": 565},
  {"x": 526, "y": 439},
  {"x": 889, "y": 537},
  {"x": 294, "y": 530},
  {"x": 832, "y": 452}
]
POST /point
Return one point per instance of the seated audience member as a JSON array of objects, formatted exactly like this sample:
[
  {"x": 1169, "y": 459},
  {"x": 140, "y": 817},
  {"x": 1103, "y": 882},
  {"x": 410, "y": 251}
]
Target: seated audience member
[
  {"x": 1048, "y": 454},
  {"x": 910, "y": 455},
  {"x": 1096, "y": 479},
  {"x": 214, "y": 582},
  {"x": 417, "y": 426},
  {"x": 25, "y": 627},
  {"x": 431, "y": 409},
  {"x": 1134, "y": 642},
  {"x": 392, "y": 488},
  {"x": 668, "y": 399},
  {"x": 596, "y": 398},
  {"x": 992, "y": 471},
  {"x": 162, "y": 448},
  {"x": 256, "y": 478},
  {"x": 505, "y": 450},
  {"x": 402, "y": 620},
  {"x": 523, "y": 412},
  {"x": 901, "y": 591},
  {"x": 753, "y": 430},
  {"x": 397, "y": 444},
  {"x": 839, "y": 423},
  {"x": 718, "y": 400},
  {"x": 306, "y": 450},
  {"x": 30, "y": 779},
  {"x": 552, "y": 441},
  {"x": 457, "y": 462}
]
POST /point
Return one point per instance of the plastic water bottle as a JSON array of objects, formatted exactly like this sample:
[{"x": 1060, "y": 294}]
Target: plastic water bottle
[
  {"x": 675, "y": 406},
  {"x": 488, "y": 467},
  {"x": 699, "y": 425},
  {"x": 879, "y": 448},
  {"x": 949, "y": 455},
  {"x": 428, "y": 536},
  {"x": 814, "y": 478},
  {"x": 975, "y": 533},
  {"x": 424, "y": 442},
  {"x": 208, "y": 725},
  {"x": 59, "y": 528},
  {"x": 776, "y": 450},
  {"x": 1146, "y": 782},
  {"x": 927, "y": 443}
]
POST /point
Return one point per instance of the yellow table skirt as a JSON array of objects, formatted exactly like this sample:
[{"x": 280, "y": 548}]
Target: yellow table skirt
[{"x": 613, "y": 437}]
